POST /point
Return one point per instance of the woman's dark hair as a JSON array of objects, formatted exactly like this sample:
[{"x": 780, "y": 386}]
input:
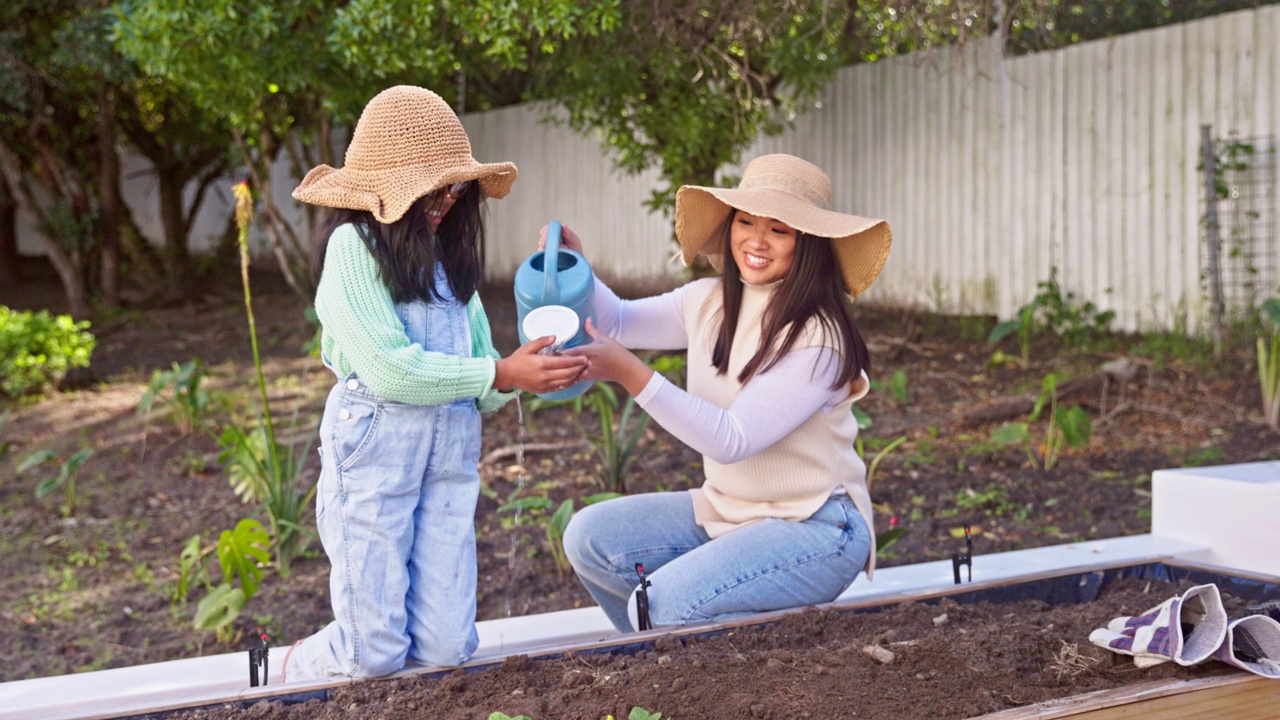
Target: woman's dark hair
[
  {"x": 405, "y": 252},
  {"x": 812, "y": 288}
]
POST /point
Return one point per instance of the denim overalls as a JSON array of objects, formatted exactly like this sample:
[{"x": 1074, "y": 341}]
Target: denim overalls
[{"x": 395, "y": 510}]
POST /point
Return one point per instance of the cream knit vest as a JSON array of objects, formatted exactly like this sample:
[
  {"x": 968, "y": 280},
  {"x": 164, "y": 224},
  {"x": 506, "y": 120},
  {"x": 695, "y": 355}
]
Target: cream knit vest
[{"x": 792, "y": 478}]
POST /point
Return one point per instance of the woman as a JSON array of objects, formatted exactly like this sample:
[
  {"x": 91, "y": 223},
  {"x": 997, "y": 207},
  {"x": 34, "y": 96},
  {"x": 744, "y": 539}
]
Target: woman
[
  {"x": 775, "y": 362},
  {"x": 399, "y": 262}
]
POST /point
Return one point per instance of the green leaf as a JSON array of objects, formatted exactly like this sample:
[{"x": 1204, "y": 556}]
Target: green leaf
[
  {"x": 35, "y": 459},
  {"x": 219, "y": 608},
  {"x": 188, "y": 560},
  {"x": 241, "y": 552},
  {"x": 1002, "y": 331},
  {"x": 864, "y": 420},
  {"x": 898, "y": 385},
  {"x": 600, "y": 497},
  {"x": 1011, "y": 433},
  {"x": 1075, "y": 425},
  {"x": 889, "y": 537},
  {"x": 533, "y": 502},
  {"x": 49, "y": 485}
]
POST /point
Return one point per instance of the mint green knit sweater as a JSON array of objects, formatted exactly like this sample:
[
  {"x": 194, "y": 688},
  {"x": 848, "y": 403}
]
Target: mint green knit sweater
[{"x": 362, "y": 333}]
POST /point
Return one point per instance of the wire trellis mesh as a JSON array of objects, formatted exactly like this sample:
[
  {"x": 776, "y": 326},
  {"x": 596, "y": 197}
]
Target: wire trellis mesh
[{"x": 1241, "y": 257}]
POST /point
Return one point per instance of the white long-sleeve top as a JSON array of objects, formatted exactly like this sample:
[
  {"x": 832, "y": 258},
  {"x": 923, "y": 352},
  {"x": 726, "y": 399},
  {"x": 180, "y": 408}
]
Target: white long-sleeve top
[{"x": 771, "y": 405}]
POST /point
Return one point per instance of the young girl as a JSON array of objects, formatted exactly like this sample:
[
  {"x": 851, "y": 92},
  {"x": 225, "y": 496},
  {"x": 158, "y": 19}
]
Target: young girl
[
  {"x": 775, "y": 362},
  {"x": 399, "y": 261}
]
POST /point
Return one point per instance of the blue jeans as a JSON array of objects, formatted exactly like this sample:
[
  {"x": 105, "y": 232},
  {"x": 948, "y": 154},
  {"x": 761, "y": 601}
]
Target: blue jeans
[{"x": 766, "y": 565}]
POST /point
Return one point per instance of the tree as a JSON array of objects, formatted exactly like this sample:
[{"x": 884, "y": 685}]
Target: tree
[
  {"x": 687, "y": 85},
  {"x": 186, "y": 146},
  {"x": 50, "y": 144},
  {"x": 284, "y": 72}
]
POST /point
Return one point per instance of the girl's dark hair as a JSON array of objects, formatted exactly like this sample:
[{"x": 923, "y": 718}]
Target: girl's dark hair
[
  {"x": 406, "y": 253},
  {"x": 812, "y": 288}
]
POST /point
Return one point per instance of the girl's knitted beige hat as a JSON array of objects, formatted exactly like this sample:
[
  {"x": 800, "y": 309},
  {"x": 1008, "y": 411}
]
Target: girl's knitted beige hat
[
  {"x": 793, "y": 191},
  {"x": 407, "y": 143}
]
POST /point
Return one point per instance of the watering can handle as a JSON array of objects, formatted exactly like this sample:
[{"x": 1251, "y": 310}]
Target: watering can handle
[{"x": 551, "y": 265}]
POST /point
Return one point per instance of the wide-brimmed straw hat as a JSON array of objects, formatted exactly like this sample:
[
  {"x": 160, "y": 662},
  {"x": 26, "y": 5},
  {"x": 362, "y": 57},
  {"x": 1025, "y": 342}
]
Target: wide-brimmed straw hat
[
  {"x": 407, "y": 143},
  {"x": 793, "y": 191}
]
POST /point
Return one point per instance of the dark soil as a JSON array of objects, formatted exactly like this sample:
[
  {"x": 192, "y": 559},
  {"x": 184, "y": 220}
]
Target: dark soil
[
  {"x": 95, "y": 591},
  {"x": 948, "y": 661}
]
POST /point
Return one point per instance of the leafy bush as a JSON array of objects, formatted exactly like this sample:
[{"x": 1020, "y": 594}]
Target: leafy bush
[
  {"x": 1075, "y": 323},
  {"x": 37, "y": 349}
]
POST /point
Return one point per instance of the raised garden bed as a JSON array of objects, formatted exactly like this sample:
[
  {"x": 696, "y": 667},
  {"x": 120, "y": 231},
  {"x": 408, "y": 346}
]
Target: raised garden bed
[{"x": 1016, "y": 650}]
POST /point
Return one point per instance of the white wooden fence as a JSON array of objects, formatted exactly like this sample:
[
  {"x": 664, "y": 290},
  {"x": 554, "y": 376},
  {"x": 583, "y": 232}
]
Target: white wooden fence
[{"x": 992, "y": 170}]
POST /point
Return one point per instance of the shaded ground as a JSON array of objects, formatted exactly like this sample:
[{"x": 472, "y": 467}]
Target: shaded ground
[{"x": 94, "y": 591}]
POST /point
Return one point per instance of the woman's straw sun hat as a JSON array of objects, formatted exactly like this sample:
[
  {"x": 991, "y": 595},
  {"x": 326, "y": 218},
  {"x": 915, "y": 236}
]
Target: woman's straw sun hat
[
  {"x": 793, "y": 191},
  {"x": 407, "y": 143}
]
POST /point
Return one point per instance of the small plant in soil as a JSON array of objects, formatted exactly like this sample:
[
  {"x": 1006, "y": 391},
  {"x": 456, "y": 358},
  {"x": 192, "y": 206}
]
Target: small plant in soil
[
  {"x": 64, "y": 475},
  {"x": 179, "y": 391}
]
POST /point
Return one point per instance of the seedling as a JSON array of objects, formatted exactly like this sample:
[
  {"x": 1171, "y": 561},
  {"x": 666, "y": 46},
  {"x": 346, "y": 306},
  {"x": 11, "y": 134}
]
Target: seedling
[{"x": 64, "y": 478}]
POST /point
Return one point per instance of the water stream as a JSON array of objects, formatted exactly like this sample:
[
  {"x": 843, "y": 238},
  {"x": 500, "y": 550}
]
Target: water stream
[{"x": 521, "y": 476}]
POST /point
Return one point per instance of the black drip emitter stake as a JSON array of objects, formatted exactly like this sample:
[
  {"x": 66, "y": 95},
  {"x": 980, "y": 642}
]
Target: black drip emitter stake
[
  {"x": 258, "y": 658},
  {"x": 964, "y": 557},
  {"x": 642, "y": 600}
]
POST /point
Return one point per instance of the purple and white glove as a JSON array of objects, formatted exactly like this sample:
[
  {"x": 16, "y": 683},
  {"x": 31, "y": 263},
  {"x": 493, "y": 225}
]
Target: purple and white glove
[{"x": 1186, "y": 629}]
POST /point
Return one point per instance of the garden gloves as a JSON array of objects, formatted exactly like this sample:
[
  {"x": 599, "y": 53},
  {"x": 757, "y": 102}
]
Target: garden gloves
[
  {"x": 1253, "y": 644},
  {"x": 1193, "y": 627},
  {"x": 1186, "y": 628}
]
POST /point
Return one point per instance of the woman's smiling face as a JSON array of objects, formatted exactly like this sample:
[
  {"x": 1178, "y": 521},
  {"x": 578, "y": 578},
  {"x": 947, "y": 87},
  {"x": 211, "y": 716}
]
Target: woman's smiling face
[{"x": 762, "y": 247}]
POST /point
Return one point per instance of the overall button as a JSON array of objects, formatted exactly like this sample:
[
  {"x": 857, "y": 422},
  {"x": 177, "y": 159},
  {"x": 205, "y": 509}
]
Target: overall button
[
  {"x": 353, "y": 384},
  {"x": 344, "y": 414}
]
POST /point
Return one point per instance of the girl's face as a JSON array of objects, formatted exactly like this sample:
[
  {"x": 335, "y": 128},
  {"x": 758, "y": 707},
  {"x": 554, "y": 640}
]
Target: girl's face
[
  {"x": 762, "y": 247},
  {"x": 441, "y": 201}
]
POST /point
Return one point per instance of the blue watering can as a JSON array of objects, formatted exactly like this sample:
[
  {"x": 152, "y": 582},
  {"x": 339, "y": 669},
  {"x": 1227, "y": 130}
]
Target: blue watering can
[{"x": 548, "y": 282}]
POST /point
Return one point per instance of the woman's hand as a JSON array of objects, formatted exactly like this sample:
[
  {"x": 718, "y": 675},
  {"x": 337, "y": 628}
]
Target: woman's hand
[
  {"x": 611, "y": 361},
  {"x": 569, "y": 239},
  {"x": 526, "y": 369}
]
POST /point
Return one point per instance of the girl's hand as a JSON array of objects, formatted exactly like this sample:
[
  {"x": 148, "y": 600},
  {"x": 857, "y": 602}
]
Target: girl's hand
[
  {"x": 569, "y": 239},
  {"x": 525, "y": 369},
  {"x": 611, "y": 361}
]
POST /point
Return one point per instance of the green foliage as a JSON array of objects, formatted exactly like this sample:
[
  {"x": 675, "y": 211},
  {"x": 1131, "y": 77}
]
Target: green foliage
[
  {"x": 64, "y": 477},
  {"x": 556, "y": 524},
  {"x": 272, "y": 479},
  {"x": 1268, "y": 343},
  {"x": 1067, "y": 427},
  {"x": 615, "y": 447},
  {"x": 37, "y": 349},
  {"x": 898, "y": 385},
  {"x": 241, "y": 554},
  {"x": 687, "y": 86},
  {"x": 5, "y": 445},
  {"x": 1077, "y": 324},
  {"x": 992, "y": 500},
  {"x": 875, "y": 461},
  {"x": 179, "y": 392}
]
